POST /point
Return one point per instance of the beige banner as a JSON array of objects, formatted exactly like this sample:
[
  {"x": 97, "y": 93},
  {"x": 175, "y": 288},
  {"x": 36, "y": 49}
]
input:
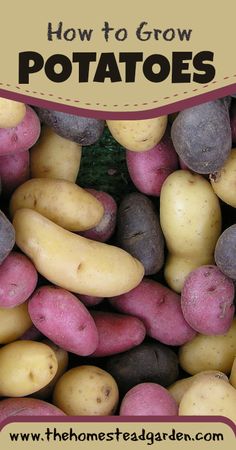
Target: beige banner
[
  {"x": 117, "y": 56},
  {"x": 121, "y": 435}
]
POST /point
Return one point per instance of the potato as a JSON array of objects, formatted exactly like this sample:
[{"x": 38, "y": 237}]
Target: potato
[
  {"x": 138, "y": 135},
  {"x": 55, "y": 157},
  {"x": 148, "y": 170},
  {"x": 89, "y": 300},
  {"x": 27, "y": 407},
  {"x": 209, "y": 396},
  {"x": 233, "y": 120},
  {"x": 225, "y": 252},
  {"x": 74, "y": 262},
  {"x": 18, "y": 279},
  {"x": 82, "y": 130},
  {"x": 62, "y": 361},
  {"x": 148, "y": 399},
  {"x": 232, "y": 378},
  {"x": 32, "y": 334},
  {"x": 14, "y": 322},
  {"x": 148, "y": 362},
  {"x": 202, "y": 136},
  {"x": 86, "y": 391},
  {"x": 21, "y": 137},
  {"x": 104, "y": 230},
  {"x": 117, "y": 332},
  {"x": 7, "y": 237},
  {"x": 162, "y": 314},
  {"x": 207, "y": 300},
  {"x": 61, "y": 317},
  {"x": 189, "y": 210},
  {"x": 209, "y": 352},
  {"x": 25, "y": 367},
  {"x": 14, "y": 171},
  {"x": 11, "y": 113},
  {"x": 223, "y": 181},
  {"x": 178, "y": 389},
  {"x": 63, "y": 202},
  {"x": 139, "y": 232}
]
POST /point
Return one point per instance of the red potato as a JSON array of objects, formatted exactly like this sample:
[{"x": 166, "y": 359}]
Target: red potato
[
  {"x": 23, "y": 136},
  {"x": 148, "y": 170},
  {"x": 160, "y": 310},
  {"x": 207, "y": 300},
  {"x": 18, "y": 280},
  {"x": 90, "y": 300},
  {"x": 61, "y": 317},
  {"x": 117, "y": 333},
  {"x": 27, "y": 407},
  {"x": 14, "y": 171},
  {"x": 148, "y": 399},
  {"x": 106, "y": 227}
]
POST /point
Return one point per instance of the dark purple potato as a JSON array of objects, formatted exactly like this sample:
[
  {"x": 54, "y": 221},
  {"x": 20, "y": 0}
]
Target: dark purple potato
[
  {"x": 225, "y": 252},
  {"x": 7, "y": 237}
]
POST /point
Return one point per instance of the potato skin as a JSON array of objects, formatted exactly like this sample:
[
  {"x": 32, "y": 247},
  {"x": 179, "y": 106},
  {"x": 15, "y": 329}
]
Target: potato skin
[
  {"x": 71, "y": 261},
  {"x": 162, "y": 314},
  {"x": 63, "y": 202},
  {"x": 11, "y": 113},
  {"x": 18, "y": 279},
  {"x": 148, "y": 362},
  {"x": 82, "y": 130},
  {"x": 223, "y": 181},
  {"x": 148, "y": 170},
  {"x": 225, "y": 252},
  {"x": 86, "y": 391},
  {"x": 117, "y": 332},
  {"x": 138, "y": 135},
  {"x": 14, "y": 171},
  {"x": 7, "y": 237},
  {"x": 27, "y": 407},
  {"x": 148, "y": 399},
  {"x": 207, "y": 300},
  {"x": 14, "y": 322},
  {"x": 61, "y": 317},
  {"x": 25, "y": 367},
  {"x": 202, "y": 136},
  {"x": 189, "y": 209},
  {"x": 232, "y": 378},
  {"x": 139, "y": 231},
  {"x": 209, "y": 352},
  {"x": 55, "y": 157}
]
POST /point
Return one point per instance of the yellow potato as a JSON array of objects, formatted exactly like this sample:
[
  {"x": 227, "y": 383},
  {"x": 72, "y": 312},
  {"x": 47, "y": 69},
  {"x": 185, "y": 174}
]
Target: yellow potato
[
  {"x": 25, "y": 367},
  {"x": 86, "y": 391},
  {"x": 178, "y": 389},
  {"x": 74, "y": 262},
  {"x": 55, "y": 157},
  {"x": 63, "y": 202},
  {"x": 232, "y": 378},
  {"x": 224, "y": 181},
  {"x": 14, "y": 323},
  {"x": 138, "y": 135},
  {"x": 209, "y": 352},
  {"x": 62, "y": 361},
  {"x": 11, "y": 113},
  {"x": 190, "y": 218},
  {"x": 209, "y": 396}
]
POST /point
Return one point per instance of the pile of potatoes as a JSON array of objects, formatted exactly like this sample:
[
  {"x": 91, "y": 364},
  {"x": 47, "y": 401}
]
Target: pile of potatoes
[{"x": 118, "y": 308}]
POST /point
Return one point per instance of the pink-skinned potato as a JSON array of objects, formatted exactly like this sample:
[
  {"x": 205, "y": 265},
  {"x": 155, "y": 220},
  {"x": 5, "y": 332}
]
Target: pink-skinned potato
[
  {"x": 159, "y": 309},
  {"x": 18, "y": 279},
  {"x": 25, "y": 406},
  {"x": 148, "y": 170},
  {"x": 89, "y": 300},
  {"x": 23, "y": 136},
  {"x": 148, "y": 399},
  {"x": 61, "y": 317},
  {"x": 14, "y": 171},
  {"x": 103, "y": 231},
  {"x": 117, "y": 333},
  {"x": 207, "y": 300}
]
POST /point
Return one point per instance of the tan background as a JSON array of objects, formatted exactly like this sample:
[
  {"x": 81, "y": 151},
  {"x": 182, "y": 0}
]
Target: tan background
[{"x": 24, "y": 28}]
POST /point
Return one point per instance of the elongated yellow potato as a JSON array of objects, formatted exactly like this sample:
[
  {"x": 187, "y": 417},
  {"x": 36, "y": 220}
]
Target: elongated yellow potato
[
  {"x": 25, "y": 367},
  {"x": 190, "y": 218},
  {"x": 74, "y": 262},
  {"x": 138, "y": 135},
  {"x": 55, "y": 157},
  {"x": 209, "y": 396},
  {"x": 63, "y": 202},
  {"x": 11, "y": 113}
]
